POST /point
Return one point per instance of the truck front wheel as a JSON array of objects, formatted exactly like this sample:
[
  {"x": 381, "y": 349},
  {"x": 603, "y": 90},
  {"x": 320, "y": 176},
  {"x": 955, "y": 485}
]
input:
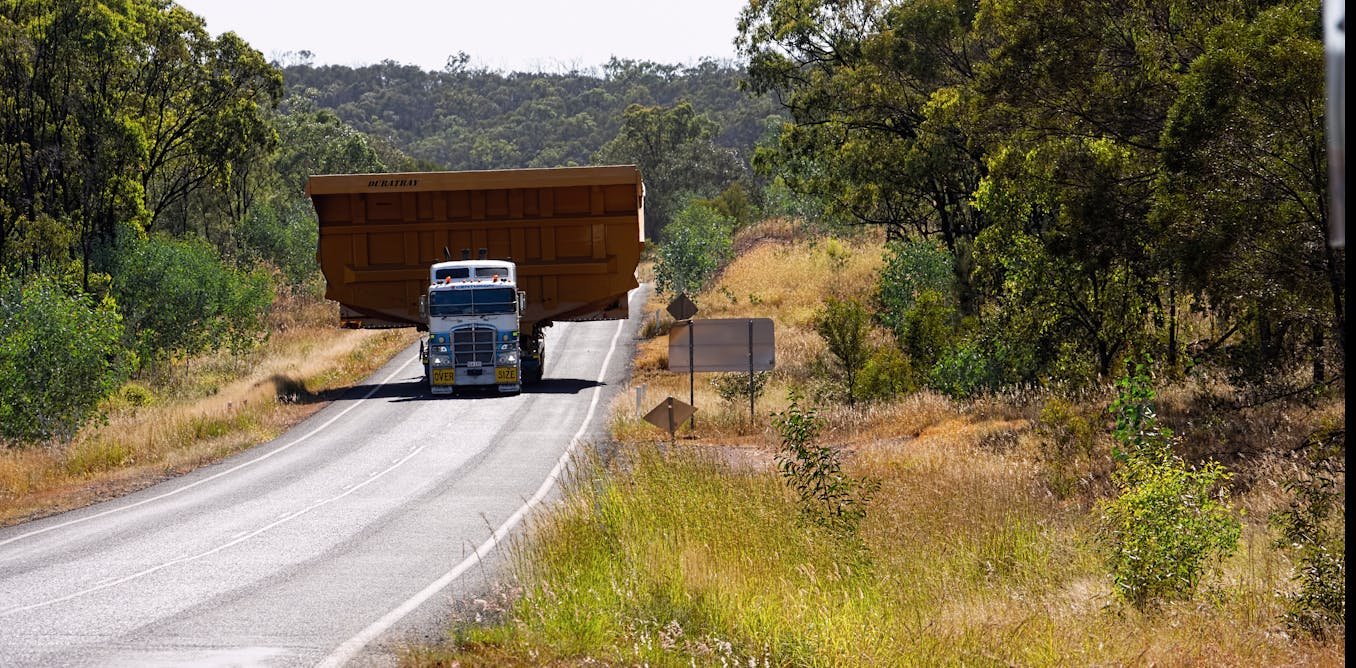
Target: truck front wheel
[{"x": 534, "y": 364}]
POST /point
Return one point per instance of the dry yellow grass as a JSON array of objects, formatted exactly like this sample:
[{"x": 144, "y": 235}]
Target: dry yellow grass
[
  {"x": 977, "y": 549},
  {"x": 780, "y": 274},
  {"x": 202, "y": 409}
]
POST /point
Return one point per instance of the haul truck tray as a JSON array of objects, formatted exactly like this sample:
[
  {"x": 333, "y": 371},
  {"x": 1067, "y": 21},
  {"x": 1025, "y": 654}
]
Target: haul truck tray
[{"x": 576, "y": 234}]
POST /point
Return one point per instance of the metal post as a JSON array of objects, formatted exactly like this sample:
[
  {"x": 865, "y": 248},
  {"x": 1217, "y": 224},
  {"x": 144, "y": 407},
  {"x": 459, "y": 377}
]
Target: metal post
[
  {"x": 672, "y": 427},
  {"x": 750, "y": 373},
  {"x": 692, "y": 370}
]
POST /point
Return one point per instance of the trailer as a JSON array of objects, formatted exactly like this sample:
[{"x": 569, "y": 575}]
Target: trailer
[{"x": 574, "y": 236}]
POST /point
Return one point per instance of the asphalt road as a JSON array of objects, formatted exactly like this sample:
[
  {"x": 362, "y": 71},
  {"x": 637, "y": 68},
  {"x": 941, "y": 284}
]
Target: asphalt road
[{"x": 333, "y": 544}]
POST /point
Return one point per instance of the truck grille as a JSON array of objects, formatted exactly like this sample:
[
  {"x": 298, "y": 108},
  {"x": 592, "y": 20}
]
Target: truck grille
[{"x": 473, "y": 344}]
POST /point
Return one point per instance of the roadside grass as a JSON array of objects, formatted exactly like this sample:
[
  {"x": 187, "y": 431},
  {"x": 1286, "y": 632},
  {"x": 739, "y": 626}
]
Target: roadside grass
[
  {"x": 674, "y": 557},
  {"x": 197, "y": 411},
  {"x": 978, "y": 548}
]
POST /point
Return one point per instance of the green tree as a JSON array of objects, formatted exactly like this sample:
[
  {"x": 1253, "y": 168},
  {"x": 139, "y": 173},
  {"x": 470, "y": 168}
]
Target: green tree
[
  {"x": 879, "y": 106},
  {"x": 1244, "y": 195},
  {"x": 115, "y": 116},
  {"x": 694, "y": 247},
  {"x": 178, "y": 298},
  {"x": 60, "y": 354},
  {"x": 281, "y": 226},
  {"x": 677, "y": 155}
]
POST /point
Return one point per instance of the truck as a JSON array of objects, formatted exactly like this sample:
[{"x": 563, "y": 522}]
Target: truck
[
  {"x": 473, "y": 309},
  {"x": 551, "y": 245}
]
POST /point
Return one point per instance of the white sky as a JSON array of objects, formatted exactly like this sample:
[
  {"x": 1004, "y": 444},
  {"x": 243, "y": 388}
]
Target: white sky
[{"x": 510, "y": 35}]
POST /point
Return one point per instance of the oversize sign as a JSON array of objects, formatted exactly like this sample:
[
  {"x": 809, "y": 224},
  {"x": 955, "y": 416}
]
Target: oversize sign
[{"x": 723, "y": 344}]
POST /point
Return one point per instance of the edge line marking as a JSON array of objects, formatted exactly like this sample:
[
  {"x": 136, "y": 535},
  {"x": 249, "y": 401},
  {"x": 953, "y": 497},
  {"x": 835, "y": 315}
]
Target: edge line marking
[
  {"x": 214, "y": 476},
  {"x": 350, "y": 648}
]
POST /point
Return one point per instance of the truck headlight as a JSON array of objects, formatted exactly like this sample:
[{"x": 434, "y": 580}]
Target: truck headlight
[
  {"x": 508, "y": 359},
  {"x": 439, "y": 360}
]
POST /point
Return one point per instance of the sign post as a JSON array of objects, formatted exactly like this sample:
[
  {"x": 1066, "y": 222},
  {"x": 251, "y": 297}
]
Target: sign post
[
  {"x": 682, "y": 308},
  {"x": 750, "y": 374},
  {"x": 727, "y": 344}
]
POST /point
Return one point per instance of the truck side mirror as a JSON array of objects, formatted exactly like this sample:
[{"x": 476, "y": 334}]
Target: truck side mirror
[
  {"x": 423, "y": 306},
  {"x": 522, "y": 302}
]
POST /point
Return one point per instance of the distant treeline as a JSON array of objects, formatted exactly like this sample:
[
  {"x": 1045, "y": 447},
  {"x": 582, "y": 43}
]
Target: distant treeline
[{"x": 467, "y": 118}]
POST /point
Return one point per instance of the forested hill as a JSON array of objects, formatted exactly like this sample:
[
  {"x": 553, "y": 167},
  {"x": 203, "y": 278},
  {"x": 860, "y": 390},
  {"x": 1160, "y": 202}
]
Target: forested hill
[{"x": 467, "y": 118}]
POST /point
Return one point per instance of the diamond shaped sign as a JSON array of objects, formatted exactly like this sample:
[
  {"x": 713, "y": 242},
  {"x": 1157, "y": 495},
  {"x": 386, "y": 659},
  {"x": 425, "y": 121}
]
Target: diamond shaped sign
[
  {"x": 669, "y": 414},
  {"x": 682, "y": 308}
]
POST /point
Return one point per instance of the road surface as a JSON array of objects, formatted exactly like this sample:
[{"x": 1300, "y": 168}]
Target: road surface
[{"x": 331, "y": 545}]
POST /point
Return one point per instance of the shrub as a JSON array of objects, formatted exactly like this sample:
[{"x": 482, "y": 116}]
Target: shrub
[
  {"x": 734, "y": 387},
  {"x": 844, "y": 324},
  {"x": 827, "y": 496},
  {"x": 963, "y": 371},
  {"x": 1168, "y": 520},
  {"x": 695, "y": 245},
  {"x": 735, "y": 204},
  {"x": 911, "y": 269},
  {"x": 887, "y": 374},
  {"x": 59, "y": 355},
  {"x": 1312, "y": 527},
  {"x": 284, "y": 233},
  {"x": 928, "y": 327},
  {"x": 178, "y": 296}
]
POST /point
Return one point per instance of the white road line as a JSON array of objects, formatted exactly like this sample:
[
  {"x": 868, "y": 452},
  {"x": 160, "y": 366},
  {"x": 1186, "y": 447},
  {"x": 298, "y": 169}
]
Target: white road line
[
  {"x": 345, "y": 652},
  {"x": 181, "y": 560},
  {"x": 208, "y": 479}
]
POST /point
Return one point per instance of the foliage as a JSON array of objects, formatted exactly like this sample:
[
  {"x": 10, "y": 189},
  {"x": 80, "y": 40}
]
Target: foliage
[
  {"x": 471, "y": 117},
  {"x": 281, "y": 226},
  {"x": 1168, "y": 520},
  {"x": 845, "y": 325},
  {"x": 1244, "y": 190},
  {"x": 737, "y": 204},
  {"x": 912, "y": 268},
  {"x": 735, "y": 387},
  {"x": 1311, "y": 527},
  {"x": 1092, "y": 171},
  {"x": 964, "y": 370},
  {"x": 875, "y": 101},
  {"x": 59, "y": 355},
  {"x": 178, "y": 297},
  {"x": 677, "y": 155},
  {"x": 827, "y": 496},
  {"x": 887, "y": 374},
  {"x": 122, "y": 113},
  {"x": 695, "y": 246}
]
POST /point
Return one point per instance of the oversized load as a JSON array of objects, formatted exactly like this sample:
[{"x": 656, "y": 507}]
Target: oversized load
[{"x": 574, "y": 233}]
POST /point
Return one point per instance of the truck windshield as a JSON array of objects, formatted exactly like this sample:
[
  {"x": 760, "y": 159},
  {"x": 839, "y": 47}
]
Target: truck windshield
[{"x": 472, "y": 301}]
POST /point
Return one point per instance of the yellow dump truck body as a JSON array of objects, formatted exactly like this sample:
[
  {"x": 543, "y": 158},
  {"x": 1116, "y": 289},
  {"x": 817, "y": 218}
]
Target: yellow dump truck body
[{"x": 575, "y": 233}]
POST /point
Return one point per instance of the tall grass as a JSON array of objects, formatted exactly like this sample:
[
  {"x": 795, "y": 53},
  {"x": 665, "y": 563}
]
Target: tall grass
[
  {"x": 676, "y": 558},
  {"x": 979, "y": 548}
]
